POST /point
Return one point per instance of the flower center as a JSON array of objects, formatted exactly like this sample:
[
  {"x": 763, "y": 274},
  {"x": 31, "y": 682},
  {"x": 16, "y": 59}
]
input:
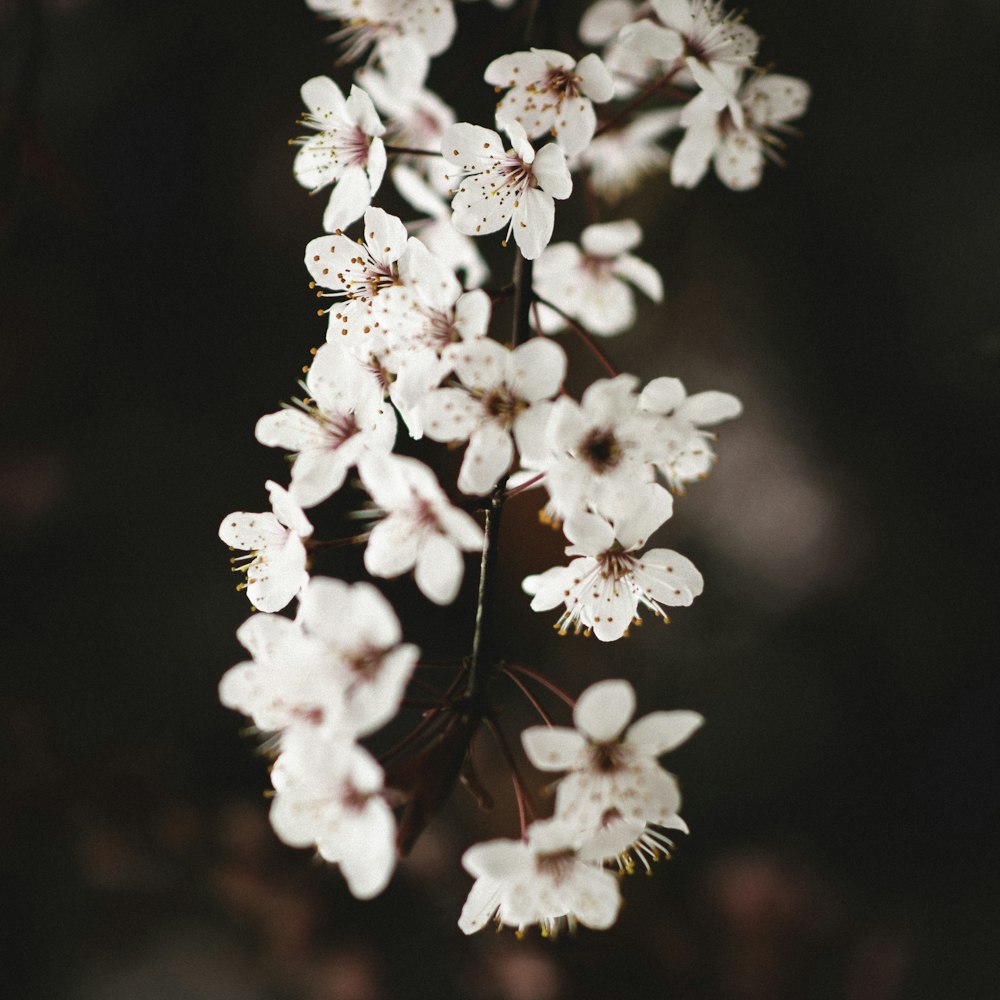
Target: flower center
[
  {"x": 503, "y": 406},
  {"x": 562, "y": 81},
  {"x": 601, "y": 449},
  {"x": 556, "y": 865}
]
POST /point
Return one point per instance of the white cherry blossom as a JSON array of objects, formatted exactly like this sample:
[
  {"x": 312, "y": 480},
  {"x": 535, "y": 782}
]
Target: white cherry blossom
[
  {"x": 592, "y": 284},
  {"x": 344, "y": 418},
  {"x": 420, "y": 530},
  {"x": 346, "y": 151},
  {"x": 617, "y": 161},
  {"x": 539, "y": 881},
  {"x": 699, "y": 33},
  {"x": 287, "y": 682},
  {"x": 500, "y": 402},
  {"x": 328, "y": 793},
  {"x": 499, "y": 187},
  {"x": 551, "y": 92},
  {"x": 684, "y": 449},
  {"x": 737, "y": 152},
  {"x": 375, "y": 24},
  {"x": 362, "y": 277},
  {"x": 614, "y": 774},
  {"x": 276, "y": 563},
  {"x": 605, "y": 584}
]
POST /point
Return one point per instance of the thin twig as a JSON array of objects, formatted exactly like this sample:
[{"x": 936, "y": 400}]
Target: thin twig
[
  {"x": 546, "y": 718},
  {"x": 521, "y": 668},
  {"x": 640, "y": 99},
  {"x": 607, "y": 363}
]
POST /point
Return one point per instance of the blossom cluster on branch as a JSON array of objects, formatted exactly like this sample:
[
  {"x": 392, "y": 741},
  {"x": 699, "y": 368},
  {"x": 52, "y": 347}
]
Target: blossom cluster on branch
[{"x": 412, "y": 349}]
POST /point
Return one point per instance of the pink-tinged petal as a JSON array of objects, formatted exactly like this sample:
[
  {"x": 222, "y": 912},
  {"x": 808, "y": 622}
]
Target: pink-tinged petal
[
  {"x": 644, "y": 276},
  {"x": 536, "y": 369},
  {"x": 533, "y": 222},
  {"x": 439, "y": 569},
  {"x": 321, "y": 95},
  {"x": 604, "y": 710},
  {"x": 361, "y": 111},
  {"x": 634, "y": 529},
  {"x": 487, "y": 458},
  {"x": 663, "y": 395},
  {"x": 480, "y": 906},
  {"x": 373, "y": 700},
  {"x": 450, "y": 415},
  {"x": 480, "y": 364},
  {"x": 250, "y": 532},
  {"x": 659, "y": 732},
  {"x": 554, "y": 748},
  {"x": 669, "y": 577},
  {"x": 611, "y": 239},
  {"x": 596, "y": 81},
  {"x": 288, "y": 512},
  {"x": 551, "y": 172},
  {"x": 652, "y": 41},
  {"x": 707, "y": 408},
  {"x": 350, "y": 196}
]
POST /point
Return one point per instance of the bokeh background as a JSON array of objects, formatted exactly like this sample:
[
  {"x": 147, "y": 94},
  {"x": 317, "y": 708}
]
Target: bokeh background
[{"x": 843, "y": 796}]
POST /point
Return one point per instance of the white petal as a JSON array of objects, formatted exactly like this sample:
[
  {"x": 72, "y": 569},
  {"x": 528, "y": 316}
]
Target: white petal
[
  {"x": 481, "y": 904},
  {"x": 662, "y": 395},
  {"x": 554, "y": 748},
  {"x": 644, "y": 276},
  {"x": 439, "y": 570},
  {"x": 487, "y": 458},
  {"x": 392, "y": 548},
  {"x": 604, "y": 709},
  {"x": 610, "y": 239},
  {"x": 707, "y": 408},
  {"x": 551, "y": 172},
  {"x": 536, "y": 370},
  {"x": 659, "y": 732},
  {"x": 596, "y": 81},
  {"x": 652, "y": 40},
  {"x": 350, "y": 196},
  {"x": 288, "y": 512},
  {"x": 533, "y": 222}
]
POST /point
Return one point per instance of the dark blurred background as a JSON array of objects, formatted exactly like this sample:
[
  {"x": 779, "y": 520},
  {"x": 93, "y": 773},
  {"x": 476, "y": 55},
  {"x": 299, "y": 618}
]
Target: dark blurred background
[{"x": 843, "y": 795}]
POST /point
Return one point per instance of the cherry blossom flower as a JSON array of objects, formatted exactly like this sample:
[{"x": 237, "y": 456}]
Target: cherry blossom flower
[
  {"x": 421, "y": 530},
  {"x": 541, "y": 881},
  {"x": 500, "y": 402},
  {"x": 363, "y": 277},
  {"x": 685, "y": 450},
  {"x": 551, "y": 92},
  {"x": 346, "y": 152},
  {"x": 361, "y": 637},
  {"x": 620, "y": 159},
  {"x": 604, "y": 586},
  {"x": 345, "y": 418},
  {"x": 498, "y": 187},
  {"x": 600, "y": 450},
  {"x": 600, "y": 25},
  {"x": 328, "y": 793},
  {"x": 286, "y": 683},
  {"x": 276, "y": 564},
  {"x": 710, "y": 42},
  {"x": 429, "y": 24},
  {"x": 614, "y": 774},
  {"x": 738, "y": 152},
  {"x": 592, "y": 286}
]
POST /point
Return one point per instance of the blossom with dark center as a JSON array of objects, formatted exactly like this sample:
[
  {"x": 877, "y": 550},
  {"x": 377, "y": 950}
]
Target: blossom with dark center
[
  {"x": 551, "y": 92},
  {"x": 346, "y": 151},
  {"x": 614, "y": 782},
  {"x": 497, "y": 187},
  {"x": 603, "y": 588},
  {"x": 501, "y": 400}
]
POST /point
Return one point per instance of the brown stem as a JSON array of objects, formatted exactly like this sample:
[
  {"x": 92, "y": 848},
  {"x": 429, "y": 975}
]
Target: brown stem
[
  {"x": 541, "y": 679},
  {"x": 639, "y": 100},
  {"x": 410, "y": 151},
  {"x": 608, "y": 364},
  {"x": 545, "y": 717}
]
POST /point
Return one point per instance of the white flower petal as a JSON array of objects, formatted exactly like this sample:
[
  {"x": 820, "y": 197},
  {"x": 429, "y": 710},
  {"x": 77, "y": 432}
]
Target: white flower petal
[
  {"x": 604, "y": 709},
  {"x": 660, "y": 732},
  {"x": 554, "y": 748}
]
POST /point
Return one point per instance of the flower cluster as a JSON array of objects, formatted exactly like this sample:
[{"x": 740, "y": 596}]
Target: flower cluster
[{"x": 413, "y": 353}]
